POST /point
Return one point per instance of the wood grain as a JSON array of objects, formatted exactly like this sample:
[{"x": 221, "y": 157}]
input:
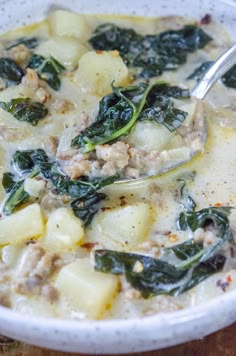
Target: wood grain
[{"x": 222, "y": 343}]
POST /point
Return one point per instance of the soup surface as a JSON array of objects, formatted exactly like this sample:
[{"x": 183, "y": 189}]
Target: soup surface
[{"x": 87, "y": 101}]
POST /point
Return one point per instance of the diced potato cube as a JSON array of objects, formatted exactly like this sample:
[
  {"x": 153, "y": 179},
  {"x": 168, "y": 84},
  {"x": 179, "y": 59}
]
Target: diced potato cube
[
  {"x": 123, "y": 228},
  {"x": 149, "y": 136},
  {"x": 64, "y": 49},
  {"x": 97, "y": 71},
  {"x": 34, "y": 187},
  {"x": 66, "y": 23},
  {"x": 86, "y": 290},
  {"x": 64, "y": 230},
  {"x": 22, "y": 225}
]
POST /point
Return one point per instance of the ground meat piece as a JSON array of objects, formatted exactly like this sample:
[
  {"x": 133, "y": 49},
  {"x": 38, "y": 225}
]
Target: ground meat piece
[
  {"x": 66, "y": 155},
  {"x": 116, "y": 155},
  {"x": 20, "y": 54},
  {"x": 31, "y": 79},
  {"x": 35, "y": 269},
  {"x": 146, "y": 162},
  {"x": 42, "y": 95},
  {"x": 76, "y": 169},
  {"x": 51, "y": 201},
  {"x": 82, "y": 122},
  {"x": 62, "y": 106},
  {"x": 51, "y": 143},
  {"x": 50, "y": 293}
]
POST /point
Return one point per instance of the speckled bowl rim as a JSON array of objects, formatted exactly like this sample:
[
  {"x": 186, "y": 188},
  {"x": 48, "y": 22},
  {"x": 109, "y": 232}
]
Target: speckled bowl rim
[{"x": 137, "y": 334}]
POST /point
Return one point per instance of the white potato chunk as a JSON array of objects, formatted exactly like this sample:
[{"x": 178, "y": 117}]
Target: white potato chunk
[
  {"x": 66, "y": 50},
  {"x": 64, "y": 230},
  {"x": 22, "y": 225},
  {"x": 86, "y": 290},
  {"x": 123, "y": 228},
  {"x": 97, "y": 70},
  {"x": 66, "y": 23},
  {"x": 149, "y": 136},
  {"x": 34, "y": 187}
]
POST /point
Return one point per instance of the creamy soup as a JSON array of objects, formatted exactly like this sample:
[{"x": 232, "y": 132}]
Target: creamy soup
[{"x": 88, "y": 104}]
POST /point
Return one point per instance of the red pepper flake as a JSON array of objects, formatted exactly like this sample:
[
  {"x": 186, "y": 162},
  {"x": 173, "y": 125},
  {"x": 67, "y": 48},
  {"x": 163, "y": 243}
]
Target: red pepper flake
[
  {"x": 222, "y": 284},
  {"x": 89, "y": 245},
  {"x": 206, "y": 20},
  {"x": 105, "y": 208},
  {"x": 218, "y": 204},
  {"x": 229, "y": 279},
  {"x": 122, "y": 201}
]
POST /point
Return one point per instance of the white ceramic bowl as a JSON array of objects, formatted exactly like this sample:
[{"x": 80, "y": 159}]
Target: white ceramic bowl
[{"x": 120, "y": 336}]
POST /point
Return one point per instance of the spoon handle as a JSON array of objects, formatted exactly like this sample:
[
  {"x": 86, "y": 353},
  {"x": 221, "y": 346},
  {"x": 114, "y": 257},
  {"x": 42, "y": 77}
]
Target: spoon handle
[{"x": 219, "y": 68}]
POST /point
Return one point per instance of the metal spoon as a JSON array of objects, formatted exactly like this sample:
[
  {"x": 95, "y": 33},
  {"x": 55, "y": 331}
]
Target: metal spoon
[{"x": 226, "y": 61}]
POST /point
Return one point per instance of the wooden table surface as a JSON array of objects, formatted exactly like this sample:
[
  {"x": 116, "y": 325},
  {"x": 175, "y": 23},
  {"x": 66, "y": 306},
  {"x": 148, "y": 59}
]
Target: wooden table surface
[{"x": 222, "y": 343}]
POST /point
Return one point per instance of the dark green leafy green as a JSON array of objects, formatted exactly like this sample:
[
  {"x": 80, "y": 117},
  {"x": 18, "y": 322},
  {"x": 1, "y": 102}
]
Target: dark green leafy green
[
  {"x": 152, "y": 276},
  {"x": 31, "y": 163},
  {"x": 10, "y": 71},
  {"x": 150, "y": 55},
  {"x": 17, "y": 195},
  {"x": 48, "y": 69},
  {"x": 229, "y": 78},
  {"x": 199, "y": 72},
  {"x": 214, "y": 217},
  {"x": 87, "y": 207},
  {"x": 160, "y": 109},
  {"x": 8, "y": 181},
  {"x": 24, "y": 109},
  {"x": 192, "y": 262},
  {"x": 29, "y": 42},
  {"x": 119, "y": 111}
]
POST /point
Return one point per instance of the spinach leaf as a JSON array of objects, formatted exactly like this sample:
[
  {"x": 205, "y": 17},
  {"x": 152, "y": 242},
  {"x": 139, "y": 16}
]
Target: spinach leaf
[
  {"x": 199, "y": 72},
  {"x": 17, "y": 195},
  {"x": 152, "y": 276},
  {"x": 229, "y": 78},
  {"x": 119, "y": 111},
  {"x": 24, "y": 109},
  {"x": 25, "y": 161},
  {"x": 78, "y": 188},
  {"x": 10, "y": 71},
  {"x": 216, "y": 217},
  {"x": 160, "y": 109},
  {"x": 150, "y": 55},
  {"x": 8, "y": 181},
  {"x": 31, "y": 163},
  {"x": 29, "y": 42},
  {"x": 48, "y": 69},
  {"x": 87, "y": 207}
]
